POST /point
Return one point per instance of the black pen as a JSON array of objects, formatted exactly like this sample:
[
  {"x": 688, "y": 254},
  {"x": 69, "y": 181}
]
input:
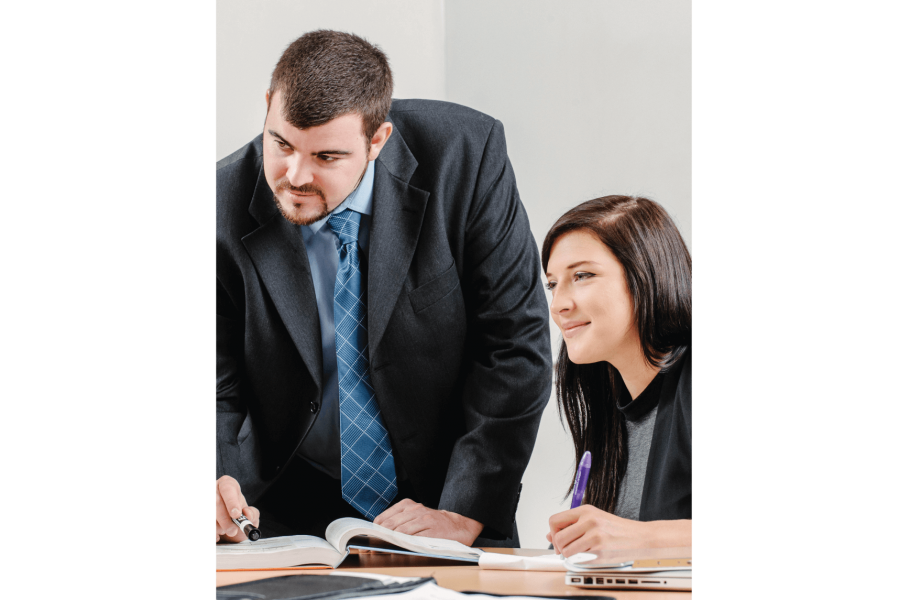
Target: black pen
[{"x": 248, "y": 528}]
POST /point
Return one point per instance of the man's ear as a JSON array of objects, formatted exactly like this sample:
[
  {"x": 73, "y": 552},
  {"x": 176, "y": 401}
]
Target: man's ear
[{"x": 380, "y": 138}]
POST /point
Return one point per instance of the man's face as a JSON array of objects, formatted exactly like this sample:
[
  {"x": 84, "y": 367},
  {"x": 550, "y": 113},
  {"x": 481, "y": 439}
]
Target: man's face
[{"x": 311, "y": 171}]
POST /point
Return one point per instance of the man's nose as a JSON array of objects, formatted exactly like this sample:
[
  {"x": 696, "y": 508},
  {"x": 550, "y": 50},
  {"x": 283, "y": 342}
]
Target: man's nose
[{"x": 299, "y": 172}]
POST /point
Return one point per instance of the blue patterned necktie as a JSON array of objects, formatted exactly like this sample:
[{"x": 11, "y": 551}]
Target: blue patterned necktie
[{"x": 368, "y": 479}]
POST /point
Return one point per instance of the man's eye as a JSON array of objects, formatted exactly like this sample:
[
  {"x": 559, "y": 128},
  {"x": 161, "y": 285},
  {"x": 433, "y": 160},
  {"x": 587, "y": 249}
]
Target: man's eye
[
  {"x": 326, "y": 158},
  {"x": 581, "y": 276},
  {"x": 281, "y": 144}
]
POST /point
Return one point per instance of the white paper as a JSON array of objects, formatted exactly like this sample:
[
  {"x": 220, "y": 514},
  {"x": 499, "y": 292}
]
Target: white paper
[
  {"x": 545, "y": 562},
  {"x": 432, "y": 591},
  {"x": 378, "y": 576}
]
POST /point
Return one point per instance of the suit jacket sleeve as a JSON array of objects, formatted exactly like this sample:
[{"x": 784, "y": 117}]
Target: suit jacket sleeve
[
  {"x": 237, "y": 449},
  {"x": 508, "y": 349}
]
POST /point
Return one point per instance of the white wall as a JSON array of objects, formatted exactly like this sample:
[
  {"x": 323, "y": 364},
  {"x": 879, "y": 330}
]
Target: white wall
[
  {"x": 595, "y": 100},
  {"x": 250, "y": 37}
]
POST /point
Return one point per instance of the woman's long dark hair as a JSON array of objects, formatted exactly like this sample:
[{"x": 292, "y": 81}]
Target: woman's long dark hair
[{"x": 657, "y": 266}]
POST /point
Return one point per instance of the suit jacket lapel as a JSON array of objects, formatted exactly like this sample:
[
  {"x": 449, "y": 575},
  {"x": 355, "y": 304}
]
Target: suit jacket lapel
[
  {"x": 397, "y": 212},
  {"x": 277, "y": 251}
]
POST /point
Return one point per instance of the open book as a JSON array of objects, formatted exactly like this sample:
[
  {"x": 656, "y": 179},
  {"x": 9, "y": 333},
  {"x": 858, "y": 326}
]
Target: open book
[{"x": 296, "y": 550}]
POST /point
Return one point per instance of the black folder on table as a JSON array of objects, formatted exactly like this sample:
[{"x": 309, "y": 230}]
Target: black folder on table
[{"x": 313, "y": 587}]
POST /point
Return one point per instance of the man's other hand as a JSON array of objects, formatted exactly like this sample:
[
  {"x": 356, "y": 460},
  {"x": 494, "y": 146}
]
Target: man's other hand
[
  {"x": 415, "y": 519},
  {"x": 230, "y": 503}
]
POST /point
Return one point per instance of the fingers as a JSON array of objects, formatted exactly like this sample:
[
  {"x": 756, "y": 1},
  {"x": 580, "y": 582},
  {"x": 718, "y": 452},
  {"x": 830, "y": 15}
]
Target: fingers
[
  {"x": 408, "y": 517},
  {"x": 416, "y": 525},
  {"x": 580, "y": 536},
  {"x": 564, "y": 537},
  {"x": 564, "y": 519},
  {"x": 229, "y": 503},
  {"x": 402, "y": 518},
  {"x": 393, "y": 510},
  {"x": 550, "y": 539},
  {"x": 239, "y": 535},
  {"x": 252, "y": 513},
  {"x": 588, "y": 542},
  {"x": 224, "y": 524},
  {"x": 230, "y": 491}
]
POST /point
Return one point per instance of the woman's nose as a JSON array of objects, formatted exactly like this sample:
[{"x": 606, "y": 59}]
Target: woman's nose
[{"x": 561, "y": 302}]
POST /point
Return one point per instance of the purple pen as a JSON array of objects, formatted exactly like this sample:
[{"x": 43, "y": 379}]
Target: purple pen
[{"x": 581, "y": 478}]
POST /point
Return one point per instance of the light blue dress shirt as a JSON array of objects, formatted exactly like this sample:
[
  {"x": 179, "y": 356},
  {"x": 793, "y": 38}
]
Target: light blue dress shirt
[{"x": 322, "y": 446}]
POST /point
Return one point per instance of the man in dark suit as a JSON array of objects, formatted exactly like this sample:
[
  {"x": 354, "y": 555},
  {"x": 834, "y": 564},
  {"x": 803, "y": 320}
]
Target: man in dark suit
[{"x": 382, "y": 339}]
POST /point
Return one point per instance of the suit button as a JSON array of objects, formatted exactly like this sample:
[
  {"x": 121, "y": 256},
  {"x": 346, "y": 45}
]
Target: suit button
[{"x": 313, "y": 407}]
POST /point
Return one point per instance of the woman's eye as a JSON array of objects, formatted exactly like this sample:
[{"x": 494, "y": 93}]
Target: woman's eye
[
  {"x": 550, "y": 285},
  {"x": 581, "y": 276}
]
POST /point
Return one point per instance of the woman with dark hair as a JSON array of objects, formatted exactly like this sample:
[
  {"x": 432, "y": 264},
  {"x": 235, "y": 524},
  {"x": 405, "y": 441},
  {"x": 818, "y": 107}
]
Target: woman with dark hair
[{"x": 620, "y": 275}]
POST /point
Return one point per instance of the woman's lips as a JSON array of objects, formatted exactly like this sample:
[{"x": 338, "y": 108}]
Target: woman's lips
[{"x": 571, "y": 331}]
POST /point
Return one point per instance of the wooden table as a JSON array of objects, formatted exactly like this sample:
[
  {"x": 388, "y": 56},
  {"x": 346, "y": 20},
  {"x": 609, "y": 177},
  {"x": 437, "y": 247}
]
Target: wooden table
[{"x": 461, "y": 576}]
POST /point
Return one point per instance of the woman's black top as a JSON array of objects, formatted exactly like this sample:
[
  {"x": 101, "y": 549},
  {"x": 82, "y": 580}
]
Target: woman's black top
[{"x": 667, "y": 480}]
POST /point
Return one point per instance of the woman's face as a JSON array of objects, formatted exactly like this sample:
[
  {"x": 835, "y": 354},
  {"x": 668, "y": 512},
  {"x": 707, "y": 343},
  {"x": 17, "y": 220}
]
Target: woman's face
[{"x": 591, "y": 303}]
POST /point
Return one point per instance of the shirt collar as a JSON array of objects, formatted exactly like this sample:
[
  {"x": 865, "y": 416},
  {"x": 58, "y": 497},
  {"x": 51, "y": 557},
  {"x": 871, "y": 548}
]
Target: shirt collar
[{"x": 359, "y": 199}]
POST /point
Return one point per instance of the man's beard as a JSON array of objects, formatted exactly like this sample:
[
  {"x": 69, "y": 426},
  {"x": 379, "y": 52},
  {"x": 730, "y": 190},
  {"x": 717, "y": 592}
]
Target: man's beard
[
  {"x": 322, "y": 207},
  {"x": 308, "y": 188}
]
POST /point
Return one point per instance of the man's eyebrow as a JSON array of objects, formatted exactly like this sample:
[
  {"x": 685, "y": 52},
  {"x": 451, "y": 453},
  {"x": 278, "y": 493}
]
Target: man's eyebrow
[
  {"x": 274, "y": 134},
  {"x": 318, "y": 153}
]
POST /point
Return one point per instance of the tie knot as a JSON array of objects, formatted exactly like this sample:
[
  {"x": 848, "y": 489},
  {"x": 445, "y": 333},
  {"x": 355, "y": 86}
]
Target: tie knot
[{"x": 345, "y": 225}]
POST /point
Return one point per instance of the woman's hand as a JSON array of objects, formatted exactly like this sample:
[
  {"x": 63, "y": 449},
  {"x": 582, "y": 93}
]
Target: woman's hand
[{"x": 589, "y": 529}]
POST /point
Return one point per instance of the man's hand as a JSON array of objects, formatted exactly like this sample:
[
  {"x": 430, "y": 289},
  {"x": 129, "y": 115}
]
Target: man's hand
[
  {"x": 230, "y": 503},
  {"x": 414, "y": 519}
]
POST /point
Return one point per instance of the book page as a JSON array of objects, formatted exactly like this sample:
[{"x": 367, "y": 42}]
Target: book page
[
  {"x": 340, "y": 531},
  {"x": 275, "y": 544},
  {"x": 277, "y": 552}
]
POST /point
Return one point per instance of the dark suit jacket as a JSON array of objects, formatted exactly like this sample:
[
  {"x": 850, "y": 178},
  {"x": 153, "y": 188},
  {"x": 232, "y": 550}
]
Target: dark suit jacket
[{"x": 458, "y": 332}]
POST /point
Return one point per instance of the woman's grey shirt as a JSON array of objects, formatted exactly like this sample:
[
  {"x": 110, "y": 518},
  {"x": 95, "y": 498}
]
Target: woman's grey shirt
[{"x": 657, "y": 480}]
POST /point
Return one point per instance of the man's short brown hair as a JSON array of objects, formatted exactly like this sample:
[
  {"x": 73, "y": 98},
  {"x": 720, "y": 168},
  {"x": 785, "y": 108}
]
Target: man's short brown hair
[{"x": 326, "y": 74}]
